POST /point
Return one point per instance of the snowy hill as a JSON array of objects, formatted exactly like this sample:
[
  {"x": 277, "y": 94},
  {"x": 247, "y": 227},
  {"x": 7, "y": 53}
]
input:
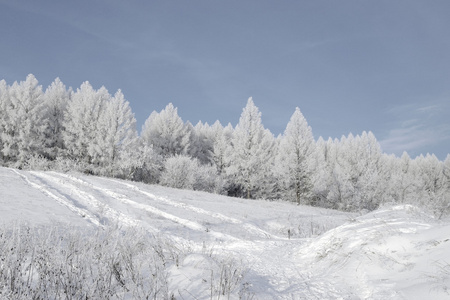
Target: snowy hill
[{"x": 283, "y": 251}]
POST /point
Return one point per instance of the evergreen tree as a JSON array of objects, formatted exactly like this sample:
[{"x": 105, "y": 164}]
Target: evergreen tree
[
  {"x": 432, "y": 186},
  {"x": 356, "y": 173},
  {"x": 446, "y": 186},
  {"x": 252, "y": 156},
  {"x": 56, "y": 98},
  {"x": 222, "y": 137},
  {"x": 118, "y": 137},
  {"x": 296, "y": 159},
  {"x": 166, "y": 132},
  {"x": 4, "y": 120},
  {"x": 202, "y": 143},
  {"x": 23, "y": 135},
  {"x": 81, "y": 123},
  {"x": 404, "y": 179}
]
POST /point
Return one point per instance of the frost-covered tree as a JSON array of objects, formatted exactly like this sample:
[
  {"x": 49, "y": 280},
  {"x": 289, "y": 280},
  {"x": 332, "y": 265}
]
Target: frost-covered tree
[
  {"x": 56, "y": 98},
  {"x": 433, "y": 183},
  {"x": 148, "y": 166},
  {"x": 321, "y": 173},
  {"x": 81, "y": 136},
  {"x": 404, "y": 181},
  {"x": 252, "y": 155},
  {"x": 4, "y": 120},
  {"x": 357, "y": 174},
  {"x": 296, "y": 161},
  {"x": 166, "y": 132},
  {"x": 222, "y": 149},
  {"x": 370, "y": 171},
  {"x": 23, "y": 129},
  {"x": 446, "y": 186},
  {"x": 202, "y": 143},
  {"x": 336, "y": 179},
  {"x": 118, "y": 137}
]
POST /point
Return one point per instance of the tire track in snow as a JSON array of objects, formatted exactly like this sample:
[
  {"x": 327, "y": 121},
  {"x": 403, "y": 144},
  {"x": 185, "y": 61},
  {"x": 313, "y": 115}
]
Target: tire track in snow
[
  {"x": 249, "y": 227},
  {"x": 281, "y": 272},
  {"x": 108, "y": 212},
  {"x": 122, "y": 198},
  {"x": 60, "y": 199}
]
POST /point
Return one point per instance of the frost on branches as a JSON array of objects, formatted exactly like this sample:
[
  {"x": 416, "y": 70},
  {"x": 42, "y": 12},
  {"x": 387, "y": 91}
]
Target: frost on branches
[{"x": 92, "y": 131}]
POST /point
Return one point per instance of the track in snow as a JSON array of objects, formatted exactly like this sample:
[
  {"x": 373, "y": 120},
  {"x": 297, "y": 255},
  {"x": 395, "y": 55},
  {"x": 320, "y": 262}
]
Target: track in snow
[
  {"x": 140, "y": 206},
  {"x": 84, "y": 213}
]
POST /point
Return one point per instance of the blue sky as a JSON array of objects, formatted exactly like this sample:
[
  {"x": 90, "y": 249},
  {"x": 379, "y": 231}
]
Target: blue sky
[{"x": 350, "y": 66}]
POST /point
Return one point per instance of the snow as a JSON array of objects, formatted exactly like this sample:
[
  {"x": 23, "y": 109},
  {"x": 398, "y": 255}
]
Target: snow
[{"x": 395, "y": 252}]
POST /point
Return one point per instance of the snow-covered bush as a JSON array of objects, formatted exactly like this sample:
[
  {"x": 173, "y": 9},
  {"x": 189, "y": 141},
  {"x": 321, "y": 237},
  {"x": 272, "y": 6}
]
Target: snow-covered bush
[
  {"x": 37, "y": 162},
  {"x": 148, "y": 167},
  {"x": 207, "y": 179},
  {"x": 179, "y": 172},
  {"x": 441, "y": 277},
  {"x": 184, "y": 172},
  {"x": 62, "y": 263}
]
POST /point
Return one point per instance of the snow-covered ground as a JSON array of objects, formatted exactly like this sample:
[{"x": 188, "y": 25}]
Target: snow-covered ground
[{"x": 284, "y": 251}]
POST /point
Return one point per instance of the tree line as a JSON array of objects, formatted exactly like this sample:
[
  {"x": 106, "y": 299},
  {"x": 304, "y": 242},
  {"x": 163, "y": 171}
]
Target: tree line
[{"x": 92, "y": 131}]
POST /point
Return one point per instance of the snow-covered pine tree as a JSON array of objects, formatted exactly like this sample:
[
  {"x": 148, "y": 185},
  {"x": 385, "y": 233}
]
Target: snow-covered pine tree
[
  {"x": 321, "y": 173},
  {"x": 446, "y": 193},
  {"x": 404, "y": 179},
  {"x": 222, "y": 146},
  {"x": 252, "y": 157},
  {"x": 56, "y": 98},
  {"x": 23, "y": 135},
  {"x": 81, "y": 119},
  {"x": 296, "y": 159},
  {"x": 337, "y": 181},
  {"x": 201, "y": 143},
  {"x": 432, "y": 184},
  {"x": 166, "y": 132},
  {"x": 360, "y": 172},
  {"x": 118, "y": 138},
  {"x": 4, "y": 120}
]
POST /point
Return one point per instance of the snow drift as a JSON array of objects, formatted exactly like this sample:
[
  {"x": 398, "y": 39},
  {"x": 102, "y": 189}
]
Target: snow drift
[{"x": 245, "y": 249}]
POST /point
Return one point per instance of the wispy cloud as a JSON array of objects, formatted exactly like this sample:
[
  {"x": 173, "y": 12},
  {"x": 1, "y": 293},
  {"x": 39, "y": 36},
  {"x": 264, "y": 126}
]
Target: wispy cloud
[
  {"x": 417, "y": 127},
  {"x": 409, "y": 138}
]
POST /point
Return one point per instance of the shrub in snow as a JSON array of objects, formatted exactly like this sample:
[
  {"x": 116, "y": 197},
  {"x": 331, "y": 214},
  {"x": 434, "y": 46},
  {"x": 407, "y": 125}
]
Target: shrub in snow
[
  {"x": 62, "y": 263},
  {"x": 179, "y": 172},
  {"x": 207, "y": 179},
  {"x": 148, "y": 167},
  {"x": 213, "y": 276},
  {"x": 37, "y": 162},
  {"x": 441, "y": 277},
  {"x": 58, "y": 262},
  {"x": 184, "y": 172}
]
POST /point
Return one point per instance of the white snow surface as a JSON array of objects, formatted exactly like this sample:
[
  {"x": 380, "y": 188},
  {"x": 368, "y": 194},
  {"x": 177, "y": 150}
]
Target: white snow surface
[{"x": 396, "y": 252}]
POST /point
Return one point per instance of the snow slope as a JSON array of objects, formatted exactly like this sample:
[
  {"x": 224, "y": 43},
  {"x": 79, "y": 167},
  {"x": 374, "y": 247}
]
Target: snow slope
[{"x": 286, "y": 251}]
